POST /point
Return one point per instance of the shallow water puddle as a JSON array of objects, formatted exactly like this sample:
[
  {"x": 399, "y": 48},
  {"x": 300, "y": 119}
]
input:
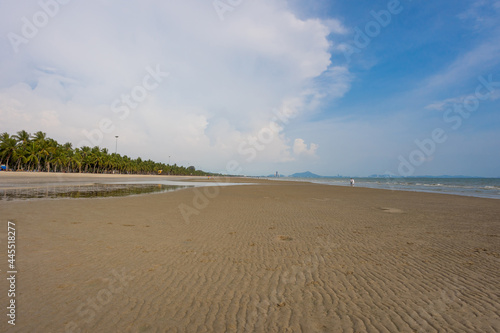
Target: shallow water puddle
[{"x": 86, "y": 191}]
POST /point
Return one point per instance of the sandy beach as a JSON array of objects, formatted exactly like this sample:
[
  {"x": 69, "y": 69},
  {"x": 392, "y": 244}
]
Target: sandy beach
[{"x": 267, "y": 257}]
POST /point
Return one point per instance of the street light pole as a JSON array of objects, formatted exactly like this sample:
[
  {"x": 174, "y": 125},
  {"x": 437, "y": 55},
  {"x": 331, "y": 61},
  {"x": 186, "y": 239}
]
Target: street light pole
[{"x": 116, "y": 147}]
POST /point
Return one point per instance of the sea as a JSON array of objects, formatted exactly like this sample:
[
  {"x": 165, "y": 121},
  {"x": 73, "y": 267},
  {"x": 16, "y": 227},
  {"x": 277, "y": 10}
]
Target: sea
[{"x": 473, "y": 187}]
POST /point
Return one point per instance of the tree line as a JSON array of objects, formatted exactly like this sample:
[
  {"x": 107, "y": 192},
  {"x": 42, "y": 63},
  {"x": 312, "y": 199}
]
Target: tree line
[{"x": 37, "y": 152}]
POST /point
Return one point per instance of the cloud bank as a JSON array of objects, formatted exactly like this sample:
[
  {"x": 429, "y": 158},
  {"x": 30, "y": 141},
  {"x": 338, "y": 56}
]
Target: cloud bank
[{"x": 83, "y": 77}]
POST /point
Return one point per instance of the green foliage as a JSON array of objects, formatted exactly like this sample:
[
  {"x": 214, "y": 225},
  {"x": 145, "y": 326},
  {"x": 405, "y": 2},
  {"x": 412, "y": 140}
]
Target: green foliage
[{"x": 37, "y": 152}]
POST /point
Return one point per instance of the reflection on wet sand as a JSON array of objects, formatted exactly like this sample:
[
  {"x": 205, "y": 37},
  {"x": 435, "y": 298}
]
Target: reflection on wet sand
[{"x": 85, "y": 191}]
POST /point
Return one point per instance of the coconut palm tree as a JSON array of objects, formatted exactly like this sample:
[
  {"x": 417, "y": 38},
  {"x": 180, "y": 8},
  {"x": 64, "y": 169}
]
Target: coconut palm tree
[
  {"x": 105, "y": 160},
  {"x": 22, "y": 137},
  {"x": 95, "y": 158},
  {"x": 45, "y": 150},
  {"x": 76, "y": 160},
  {"x": 31, "y": 156},
  {"x": 86, "y": 153},
  {"x": 39, "y": 136},
  {"x": 21, "y": 151},
  {"x": 8, "y": 149},
  {"x": 58, "y": 158},
  {"x": 3, "y": 138},
  {"x": 69, "y": 152},
  {"x": 41, "y": 152}
]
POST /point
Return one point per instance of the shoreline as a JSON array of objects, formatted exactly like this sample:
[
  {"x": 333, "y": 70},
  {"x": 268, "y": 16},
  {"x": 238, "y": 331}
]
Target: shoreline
[
  {"x": 490, "y": 192},
  {"x": 10, "y": 180},
  {"x": 24, "y": 180}
]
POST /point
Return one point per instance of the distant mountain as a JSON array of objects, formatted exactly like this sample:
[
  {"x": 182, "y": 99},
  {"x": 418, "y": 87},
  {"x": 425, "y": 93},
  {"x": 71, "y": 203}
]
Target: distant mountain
[{"x": 306, "y": 174}]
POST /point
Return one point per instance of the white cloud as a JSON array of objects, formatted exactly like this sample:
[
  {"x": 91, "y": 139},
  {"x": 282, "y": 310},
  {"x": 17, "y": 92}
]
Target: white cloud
[
  {"x": 225, "y": 77},
  {"x": 461, "y": 100},
  {"x": 470, "y": 65},
  {"x": 336, "y": 27},
  {"x": 483, "y": 14},
  {"x": 444, "y": 104},
  {"x": 300, "y": 147}
]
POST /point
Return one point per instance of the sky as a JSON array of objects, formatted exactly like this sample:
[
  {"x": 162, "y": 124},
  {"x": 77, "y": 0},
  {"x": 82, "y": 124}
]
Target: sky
[{"x": 355, "y": 88}]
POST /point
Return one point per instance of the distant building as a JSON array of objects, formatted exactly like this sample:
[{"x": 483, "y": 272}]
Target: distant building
[{"x": 277, "y": 174}]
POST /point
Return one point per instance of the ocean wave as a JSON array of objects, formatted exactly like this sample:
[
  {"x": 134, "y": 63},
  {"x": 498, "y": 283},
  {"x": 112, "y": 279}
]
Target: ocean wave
[{"x": 489, "y": 188}]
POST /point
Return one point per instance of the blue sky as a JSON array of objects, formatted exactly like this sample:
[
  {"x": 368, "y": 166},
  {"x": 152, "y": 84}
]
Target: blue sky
[{"x": 260, "y": 86}]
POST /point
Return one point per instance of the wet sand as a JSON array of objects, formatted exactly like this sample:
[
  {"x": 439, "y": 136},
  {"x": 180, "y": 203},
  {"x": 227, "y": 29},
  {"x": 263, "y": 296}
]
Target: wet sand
[
  {"x": 269, "y": 257},
  {"x": 10, "y": 180}
]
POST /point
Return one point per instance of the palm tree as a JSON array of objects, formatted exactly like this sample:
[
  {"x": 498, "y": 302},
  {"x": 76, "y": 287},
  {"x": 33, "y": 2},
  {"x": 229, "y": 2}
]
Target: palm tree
[
  {"x": 8, "y": 149},
  {"x": 41, "y": 152},
  {"x": 3, "y": 137},
  {"x": 21, "y": 151},
  {"x": 87, "y": 157},
  {"x": 58, "y": 158},
  {"x": 45, "y": 150},
  {"x": 114, "y": 162},
  {"x": 76, "y": 160},
  {"x": 68, "y": 154},
  {"x": 22, "y": 137},
  {"x": 39, "y": 136},
  {"x": 127, "y": 162},
  {"x": 95, "y": 158},
  {"x": 105, "y": 160},
  {"x": 31, "y": 156}
]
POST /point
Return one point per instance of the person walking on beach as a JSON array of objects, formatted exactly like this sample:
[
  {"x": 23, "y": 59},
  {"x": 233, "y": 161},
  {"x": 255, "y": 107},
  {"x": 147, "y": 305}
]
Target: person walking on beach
[{"x": 352, "y": 182}]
